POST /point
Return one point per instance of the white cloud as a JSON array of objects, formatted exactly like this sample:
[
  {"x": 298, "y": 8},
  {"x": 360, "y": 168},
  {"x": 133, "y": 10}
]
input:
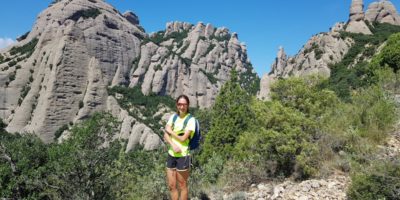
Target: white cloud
[{"x": 5, "y": 42}]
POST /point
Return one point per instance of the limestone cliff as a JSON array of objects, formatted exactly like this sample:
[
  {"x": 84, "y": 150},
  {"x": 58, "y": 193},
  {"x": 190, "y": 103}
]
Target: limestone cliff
[
  {"x": 328, "y": 48},
  {"x": 189, "y": 59},
  {"x": 59, "y": 73}
]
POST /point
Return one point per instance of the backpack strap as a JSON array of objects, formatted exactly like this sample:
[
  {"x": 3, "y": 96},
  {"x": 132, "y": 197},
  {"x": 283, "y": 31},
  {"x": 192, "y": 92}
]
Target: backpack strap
[
  {"x": 174, "y": 120},
  {"x": 184, "y": 122}
]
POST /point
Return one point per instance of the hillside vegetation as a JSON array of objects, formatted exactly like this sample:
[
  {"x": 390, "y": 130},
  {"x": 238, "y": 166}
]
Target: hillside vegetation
[{"x": 312, "y": 127}]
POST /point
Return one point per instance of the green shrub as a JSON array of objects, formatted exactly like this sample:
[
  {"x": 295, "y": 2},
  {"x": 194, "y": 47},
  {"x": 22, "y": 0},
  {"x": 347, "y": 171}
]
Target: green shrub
[
  {"x": 157, "y": 67},
  {"x": 226, "y": 37},
  {"x": 24, "y": 92},
  {"x": 2, "y": 125},
  {"x": 81, "y": 104},
  {"x": 212, "y": 169},
  {"x": 12, "y": 63},
  {"x": 380, "y": 181},
  {"x": 24, "y": 36},
  {"x": 183, "y": 49},
  {"x": 231, "y": 115},
  {"x": 318, "y": 53},
  {"x": 177, "y": 36},
  {"x": 357, "y": 127},
  {"x": 156, "y": 38},
  {"x": 135, "y": 101},
  {"x": 139, "y": 180},
  {"x": 280, "y": 135},
  {"x": 304, "y": 95},
  {"x": 12, "y": 77},
  {"x": 25, "y": 49},
  {"x": 59, "y": 131},
  {"x": 186, "y": 61},
  {"x": 344, "y": 78},
  {"x": 22, "y": 174},
  {"x": 85, "y": 14},
  {"x": 209, "y": 49},
  {"x": 210, "y": 76},
  {"x": 135, "y": 63},
  {"x": 390, "y": 54},
  {"x": 377, "y": 113}
]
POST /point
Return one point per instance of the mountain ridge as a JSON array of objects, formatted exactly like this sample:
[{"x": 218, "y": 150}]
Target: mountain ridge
[
  {"x": 327, "y": 48},
  {"x": 60, "y": 71}
]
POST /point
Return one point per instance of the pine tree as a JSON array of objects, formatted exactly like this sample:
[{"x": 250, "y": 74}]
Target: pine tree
[{"x": 230, "y": 117}]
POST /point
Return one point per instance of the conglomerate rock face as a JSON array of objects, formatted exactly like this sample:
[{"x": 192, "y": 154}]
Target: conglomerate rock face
[
  {"x": 357, "y": 10},
  {"x": 314, "y": 58},
  {"x": 356, "y": 22},
  {"x": 189, "y": 59},
  {"x": 81, "y": 48},
  {"x": 60, "y": 71},
  {"x": 328, "y": 48},
  {"x": 382, "y": 12}
]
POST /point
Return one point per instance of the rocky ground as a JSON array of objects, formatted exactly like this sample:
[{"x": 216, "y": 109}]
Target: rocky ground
[{"x": 332, "y": 188}]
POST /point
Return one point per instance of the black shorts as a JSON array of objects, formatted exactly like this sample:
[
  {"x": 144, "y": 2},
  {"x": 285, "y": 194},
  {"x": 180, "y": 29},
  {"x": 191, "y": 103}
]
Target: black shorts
[{"x": 178, "y": 163}]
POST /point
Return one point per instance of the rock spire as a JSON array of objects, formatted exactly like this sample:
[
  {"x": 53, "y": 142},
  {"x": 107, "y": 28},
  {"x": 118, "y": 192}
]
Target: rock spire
[{"x": 356, "y": 22}]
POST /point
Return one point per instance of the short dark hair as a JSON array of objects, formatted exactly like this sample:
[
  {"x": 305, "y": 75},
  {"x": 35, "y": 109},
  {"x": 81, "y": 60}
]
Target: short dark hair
[{"x": 184, "y": 97}]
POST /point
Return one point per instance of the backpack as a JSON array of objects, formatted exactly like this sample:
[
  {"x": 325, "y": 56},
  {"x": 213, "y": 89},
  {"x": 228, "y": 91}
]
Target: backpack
[{"x": 194, "y": 142}]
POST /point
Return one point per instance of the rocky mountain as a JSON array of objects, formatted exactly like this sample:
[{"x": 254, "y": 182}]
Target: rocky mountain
[
  {"x": 189, "y": 59},
  {"x": 327, "y": 48},
  {"x": 60, "y": 72},
  {"x": 383, "y": 12}
]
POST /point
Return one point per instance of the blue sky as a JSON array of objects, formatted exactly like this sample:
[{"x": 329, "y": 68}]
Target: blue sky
[{"x": 263, "y": 25}]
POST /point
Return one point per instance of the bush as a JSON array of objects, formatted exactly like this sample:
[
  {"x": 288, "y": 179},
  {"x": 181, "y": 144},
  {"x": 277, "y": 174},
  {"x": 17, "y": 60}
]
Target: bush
[
  {"x": 24, "y": 91},
  {"x": 135, "y": 101},
  {"x": 281, "y": 139},
  {"x": 12, "y": 63},
  {"x": 345, "y": 77},
  {"x": 85, "y": 14},
  {"x": 304, "y": 95},
  {"x": 380, "y": 181},
  {"x": 22, "y": 166},
  {"x": 209, "y": 49},
  {"x": 240, "y": 175},
  {"x": 210, "y": 77},
  {"x": 377, "y": 112},
  {"x": 12, "y": 77},
  {"x": 390, "y": 54},
  {"x": 226, "y": 37},
  {"x": 157, "y": 38},
  {"x": 157, "y": 67},
  {"x": 59, "y": 131},
  {"x": 139, "y": 180},
  {"x": 25, "y": 49},
  {"x": 2, "y": 125},
  {"x": 81, "y": 104}
]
